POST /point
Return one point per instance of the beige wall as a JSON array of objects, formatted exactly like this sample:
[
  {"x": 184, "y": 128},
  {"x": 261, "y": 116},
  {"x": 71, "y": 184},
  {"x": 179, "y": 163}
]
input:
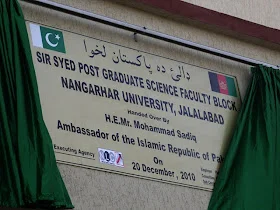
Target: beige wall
[
  {"x": 91, "y": 189},
  {"x": 264, "y": 12}
]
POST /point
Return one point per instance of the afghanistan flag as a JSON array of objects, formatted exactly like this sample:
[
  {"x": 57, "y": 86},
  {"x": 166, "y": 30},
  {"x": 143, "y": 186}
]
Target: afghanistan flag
[{"x": 222, "y": 84}]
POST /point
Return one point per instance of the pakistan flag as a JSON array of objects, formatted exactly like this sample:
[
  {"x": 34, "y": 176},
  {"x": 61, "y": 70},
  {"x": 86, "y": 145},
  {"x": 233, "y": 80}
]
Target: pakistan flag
[{"x": 47, "y": 38}]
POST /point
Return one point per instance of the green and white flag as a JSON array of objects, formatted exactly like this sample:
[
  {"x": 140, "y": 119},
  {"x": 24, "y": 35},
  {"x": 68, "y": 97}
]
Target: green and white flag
[{"x": 47, "y": 38}]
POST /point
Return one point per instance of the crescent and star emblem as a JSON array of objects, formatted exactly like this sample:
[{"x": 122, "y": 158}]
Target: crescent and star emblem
[{"x": 49, "y": 42}]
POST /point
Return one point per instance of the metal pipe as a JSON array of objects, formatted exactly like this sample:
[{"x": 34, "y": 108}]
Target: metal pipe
[{"x": 146, "y": 32}]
